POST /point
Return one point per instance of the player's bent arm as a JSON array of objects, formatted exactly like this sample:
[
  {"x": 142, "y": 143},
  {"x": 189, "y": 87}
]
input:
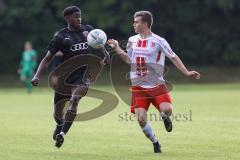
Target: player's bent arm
[
  {"x": 123, "y": 55},
  {"x": 43, "y": 64},
  {"x": 180, "y": 66}
]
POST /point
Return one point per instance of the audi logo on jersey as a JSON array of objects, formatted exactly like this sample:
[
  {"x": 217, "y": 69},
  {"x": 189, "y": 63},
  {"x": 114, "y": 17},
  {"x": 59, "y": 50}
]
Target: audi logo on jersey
[{"x": 79, "y": 46}]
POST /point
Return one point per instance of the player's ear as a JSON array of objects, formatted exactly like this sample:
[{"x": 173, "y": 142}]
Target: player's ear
[
  {"x": 145, "y": 24},
  {"x": 66, "y": 18}
]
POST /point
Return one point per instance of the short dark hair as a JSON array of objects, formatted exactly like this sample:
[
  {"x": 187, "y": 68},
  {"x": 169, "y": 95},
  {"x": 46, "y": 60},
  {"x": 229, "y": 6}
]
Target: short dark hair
[
  {"x": 146, "y": 17},
  {"x": 70, "y": 10}
]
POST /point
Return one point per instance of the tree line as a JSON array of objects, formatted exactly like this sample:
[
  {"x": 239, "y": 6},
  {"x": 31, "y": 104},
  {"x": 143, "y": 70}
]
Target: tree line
[{"x": 201, "y": 32}]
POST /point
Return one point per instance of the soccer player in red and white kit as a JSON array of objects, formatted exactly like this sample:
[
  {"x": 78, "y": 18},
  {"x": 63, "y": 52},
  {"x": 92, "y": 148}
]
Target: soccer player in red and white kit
[{"x": 146, "y": 53}]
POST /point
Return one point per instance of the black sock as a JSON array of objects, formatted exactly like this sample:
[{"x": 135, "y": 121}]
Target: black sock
[
  {"x": 69, "y": 118},
  {"x": 59, "y": 121}
]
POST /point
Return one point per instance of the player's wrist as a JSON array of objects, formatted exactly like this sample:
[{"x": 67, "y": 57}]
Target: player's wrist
[
  {"x": 187, "y": 73},
  {"x": 118, "y": 49},
  {"x": 36, "y": 76}
]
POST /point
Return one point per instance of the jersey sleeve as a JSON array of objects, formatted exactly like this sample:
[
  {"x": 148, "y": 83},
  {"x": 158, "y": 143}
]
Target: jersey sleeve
[
  {"x": 166, "y": 49},
  {"x": 55, "y": 44},
  {"x": 89, "y": 28}
]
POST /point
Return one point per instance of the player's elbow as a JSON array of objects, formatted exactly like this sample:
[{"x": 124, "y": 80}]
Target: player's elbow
[{"x": 173, "y": 59}]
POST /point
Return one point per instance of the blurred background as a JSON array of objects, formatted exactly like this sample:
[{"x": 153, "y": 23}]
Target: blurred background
[{"x": 205, "y": 34}]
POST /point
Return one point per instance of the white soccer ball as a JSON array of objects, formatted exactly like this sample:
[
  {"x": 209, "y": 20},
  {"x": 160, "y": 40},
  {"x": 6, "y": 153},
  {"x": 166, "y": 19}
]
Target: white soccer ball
[{"x": 97, "y": 38}]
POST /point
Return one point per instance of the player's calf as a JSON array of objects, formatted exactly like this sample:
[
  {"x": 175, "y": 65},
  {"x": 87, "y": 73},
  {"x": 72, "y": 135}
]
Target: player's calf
[
  {"x": 166, "y": 111},
  {"x": 57, "y": 131}
]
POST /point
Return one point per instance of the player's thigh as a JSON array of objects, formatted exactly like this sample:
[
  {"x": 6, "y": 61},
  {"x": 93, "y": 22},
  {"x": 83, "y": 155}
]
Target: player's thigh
[
  {"x": 163, "y": 102},
  {"x": 140, "y": 102}
]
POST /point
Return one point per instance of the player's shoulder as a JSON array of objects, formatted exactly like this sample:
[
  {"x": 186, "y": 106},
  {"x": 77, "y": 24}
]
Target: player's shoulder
[
  {"x": 158, "y": 38},
  {"x": 133, "y": 38},
  {"x": 86, "y": 27},
  {"x": 60, "y": 33}
]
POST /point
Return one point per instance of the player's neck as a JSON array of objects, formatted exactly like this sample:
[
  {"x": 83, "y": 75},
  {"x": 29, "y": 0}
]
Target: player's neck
[
  {"x": 145, "y": 34},
  {"x": 70, "y": 28}
]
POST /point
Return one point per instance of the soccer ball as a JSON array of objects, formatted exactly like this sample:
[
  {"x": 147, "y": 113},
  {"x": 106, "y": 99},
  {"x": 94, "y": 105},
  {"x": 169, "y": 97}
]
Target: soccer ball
[{"x": 97, "y": 38}]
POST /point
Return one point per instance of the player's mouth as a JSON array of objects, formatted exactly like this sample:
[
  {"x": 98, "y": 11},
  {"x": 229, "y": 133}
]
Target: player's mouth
[{"x": 78, "y": 23}]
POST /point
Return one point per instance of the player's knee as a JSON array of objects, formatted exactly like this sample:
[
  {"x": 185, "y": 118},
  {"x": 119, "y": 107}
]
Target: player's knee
[
  {"x": 74, "y": 100},
  {"x": 142, "y": 120},
  {"x": 81, "y": 91},
  {"x": 167, "y": 109},
  {"x": 54, "y": 82}
]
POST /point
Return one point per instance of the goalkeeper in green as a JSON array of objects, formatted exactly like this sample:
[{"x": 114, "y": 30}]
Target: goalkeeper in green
[{"x": 27, "y": 65}]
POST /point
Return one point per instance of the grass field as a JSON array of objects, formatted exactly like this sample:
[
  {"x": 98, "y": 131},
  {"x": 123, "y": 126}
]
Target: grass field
[{"x": 211, "y": 130}]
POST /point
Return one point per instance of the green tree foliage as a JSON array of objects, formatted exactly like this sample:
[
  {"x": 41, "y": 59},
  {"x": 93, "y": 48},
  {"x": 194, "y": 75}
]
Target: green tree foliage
[{"x": 201, "y": 32}]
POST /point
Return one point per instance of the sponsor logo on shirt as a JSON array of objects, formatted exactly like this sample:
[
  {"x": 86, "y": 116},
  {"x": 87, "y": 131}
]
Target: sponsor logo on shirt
[{"x": 79, "y": 46}]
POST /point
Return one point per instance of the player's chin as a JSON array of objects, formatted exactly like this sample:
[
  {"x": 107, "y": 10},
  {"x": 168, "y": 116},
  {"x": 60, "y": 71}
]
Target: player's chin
[
  {"x": 136, "y": 31},
  {"x": 77, "y": 25}
]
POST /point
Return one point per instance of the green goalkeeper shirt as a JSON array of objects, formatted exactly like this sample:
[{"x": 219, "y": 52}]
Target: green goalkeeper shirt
[{"x": 29, "y": 61}]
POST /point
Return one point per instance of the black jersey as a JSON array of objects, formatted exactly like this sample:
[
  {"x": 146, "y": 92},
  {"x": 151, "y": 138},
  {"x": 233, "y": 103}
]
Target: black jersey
[{"x": 72, "y": 43}]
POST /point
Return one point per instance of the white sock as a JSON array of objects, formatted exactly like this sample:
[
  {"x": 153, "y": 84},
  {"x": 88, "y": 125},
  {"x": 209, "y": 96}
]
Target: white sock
[
  {"x": 147, "y": 130},
  {"x": 163, "y": 115}
]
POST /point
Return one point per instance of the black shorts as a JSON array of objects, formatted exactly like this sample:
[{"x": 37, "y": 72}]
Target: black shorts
[
  {"x": 79, "y": 77},
  {"x": 76, "y": 81}
]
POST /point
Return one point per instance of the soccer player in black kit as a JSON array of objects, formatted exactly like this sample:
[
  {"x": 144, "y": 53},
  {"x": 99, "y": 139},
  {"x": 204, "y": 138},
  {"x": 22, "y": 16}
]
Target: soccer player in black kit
[{"x": 70, "y": 41}]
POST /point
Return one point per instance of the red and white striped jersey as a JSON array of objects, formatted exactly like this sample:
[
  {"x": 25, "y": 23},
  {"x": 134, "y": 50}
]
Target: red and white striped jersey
[{"x": 148, "y": 59}]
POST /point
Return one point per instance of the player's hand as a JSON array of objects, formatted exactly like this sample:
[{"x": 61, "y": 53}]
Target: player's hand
[
  {"x": 35, "y": 81},
  {"x": 194, "y": 74},
  {"x": 113, "y": 43},
  {"x": 105, "y": 60}
]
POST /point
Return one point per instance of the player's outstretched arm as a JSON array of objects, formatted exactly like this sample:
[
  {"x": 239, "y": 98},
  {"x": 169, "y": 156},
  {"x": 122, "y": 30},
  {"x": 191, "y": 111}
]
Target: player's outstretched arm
[
  {"x": 115, "y": 45},
  {"x": 43, "y": 64},
  {"x": 179, "y": 64},
  {"x": 106, "y": 59}
]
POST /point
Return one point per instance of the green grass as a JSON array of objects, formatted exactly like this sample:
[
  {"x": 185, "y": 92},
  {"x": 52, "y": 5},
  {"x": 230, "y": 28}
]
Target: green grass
[{"x": 26, "y": 126}]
